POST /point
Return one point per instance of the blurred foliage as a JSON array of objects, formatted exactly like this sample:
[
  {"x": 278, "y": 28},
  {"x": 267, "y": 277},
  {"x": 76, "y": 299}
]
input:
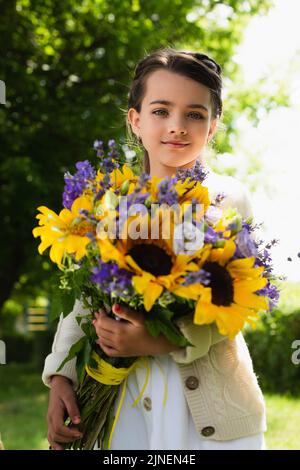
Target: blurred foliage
[
  {"x": 271, "y": 350},
  {"x": 23, "y": 407},
  {"x": 67, "y": 68}
]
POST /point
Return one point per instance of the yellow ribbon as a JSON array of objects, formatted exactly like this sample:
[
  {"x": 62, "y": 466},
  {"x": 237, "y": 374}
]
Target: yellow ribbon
[{"x": 110, "y": 375}]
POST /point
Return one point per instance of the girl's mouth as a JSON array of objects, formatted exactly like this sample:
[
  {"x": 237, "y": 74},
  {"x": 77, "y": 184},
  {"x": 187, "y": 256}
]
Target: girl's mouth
[{"x": 175, "y": 145}]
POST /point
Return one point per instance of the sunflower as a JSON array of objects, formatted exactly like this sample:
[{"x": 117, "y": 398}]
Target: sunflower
[
  {"x": 230, "y": 299},
  {"x": 152, "y": 260},
  {"x": 66, "y": 232}
]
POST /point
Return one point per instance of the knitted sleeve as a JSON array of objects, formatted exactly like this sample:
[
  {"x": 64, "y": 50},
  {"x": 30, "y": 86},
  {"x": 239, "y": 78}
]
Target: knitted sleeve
[
  {"x": 205, "y": 336},
  {"x": 68, "y": 332}
]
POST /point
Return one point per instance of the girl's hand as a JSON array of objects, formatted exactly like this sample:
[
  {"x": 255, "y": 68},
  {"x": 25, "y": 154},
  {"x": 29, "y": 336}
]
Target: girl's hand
[
  {"x": 62, "y": 402},
  {"x": 128, "y": 337}
]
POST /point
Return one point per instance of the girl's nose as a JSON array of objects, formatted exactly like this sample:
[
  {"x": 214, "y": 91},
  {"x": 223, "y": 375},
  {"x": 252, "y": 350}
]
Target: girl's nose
[{"x": 177, "y": 128}]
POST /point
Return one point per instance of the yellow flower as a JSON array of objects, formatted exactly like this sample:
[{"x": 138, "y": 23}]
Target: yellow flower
[
  {"x": 152, "y": 260},
  {"x": 230, "y": 299},
  {"x": 66, "y": 232},
  {"x": 118, "y": 177},
  {"x": 200, "y": 194}
]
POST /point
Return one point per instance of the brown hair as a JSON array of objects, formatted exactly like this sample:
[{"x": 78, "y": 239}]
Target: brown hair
[{"x": 194, "y": 65}]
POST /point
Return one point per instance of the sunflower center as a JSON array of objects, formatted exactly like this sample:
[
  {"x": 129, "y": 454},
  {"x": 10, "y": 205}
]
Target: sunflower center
[
  {"x": 151, "y": 258},
  {"x": 220, "y": 283},
  {"x": 81, "y": 229}
]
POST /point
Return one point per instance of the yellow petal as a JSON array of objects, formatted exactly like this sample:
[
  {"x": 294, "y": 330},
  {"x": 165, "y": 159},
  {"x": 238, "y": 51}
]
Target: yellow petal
[
  {"x": 205, "y": 313},
  {"x": 82, "y": 202},
  {"x": 66, "y": 216},
  {"x": 250, "y": 285},
  {"x": 57, "y": 251},
  {"x": 130, "y": 261},
  {"x": 188, "y": 292},
  {"x": 223, "y": 255},
  {"x": 141, "y": 283},
  {"x": 250, "y": 300},
  {"x": 151, "y": 295}
]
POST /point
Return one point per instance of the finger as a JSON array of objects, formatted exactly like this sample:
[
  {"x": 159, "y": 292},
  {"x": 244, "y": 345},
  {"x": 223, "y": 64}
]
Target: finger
[
  {"x": 106, "y": 323},
  {"x": 65, "y": 434},
  {"x": 128, "y": 314},
  {"x": 72, "y": 408},
  {"x": 100, "y": 313},
  {"x": 55, "y": 443},
  {"x": 106, "y": 341},
  {"x": 59, "y": 431},
  {"x": 58, "y": 443},
  {"x": 55, "y": 446},
  {"x": 109, "y": 351},
  {"x": 103, "y": 332}
]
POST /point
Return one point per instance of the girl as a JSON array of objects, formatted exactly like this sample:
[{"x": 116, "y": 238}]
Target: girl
[{"x": 213, "y": 400}]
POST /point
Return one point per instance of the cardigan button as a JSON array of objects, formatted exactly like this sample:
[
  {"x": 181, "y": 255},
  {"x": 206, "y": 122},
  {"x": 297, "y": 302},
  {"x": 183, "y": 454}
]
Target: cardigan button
[
  {"x": 147, "y": 403},
  {"x": 192, "y": 383},
  {"x": 208, "y": 431}
]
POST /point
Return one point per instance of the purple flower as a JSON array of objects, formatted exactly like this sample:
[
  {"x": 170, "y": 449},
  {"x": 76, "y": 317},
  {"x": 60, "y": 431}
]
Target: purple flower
[
  {"x": 143, "y": 179},
  {"x": 127, "y": 202},
  {"x": 264, "y": 259},
  {"x": 271, "y": 291},
  {"x": 167, "y": 193},
  {"x": 197, "y": 277},
  {"x": 219, "y": 198},
  {"x": 107, "y": 165},
  {"x": 75, "y": 184},
  {"x": 98, "y": 146},
  {"x": 112, "y": 279},
  {"x": 246, "y": 246},
  {"x": 105, "y": 185},
  {"x": 210, "y": 236},
  {"x": 197, "y": 173}
]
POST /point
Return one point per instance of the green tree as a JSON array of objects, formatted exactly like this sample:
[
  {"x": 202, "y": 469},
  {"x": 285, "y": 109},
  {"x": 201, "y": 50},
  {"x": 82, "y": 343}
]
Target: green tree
[{"x": 67, "y": 66}]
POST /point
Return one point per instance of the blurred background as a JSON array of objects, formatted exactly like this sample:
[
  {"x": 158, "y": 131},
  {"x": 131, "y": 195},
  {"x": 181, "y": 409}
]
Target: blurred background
[{"x": 67, "y": 67}]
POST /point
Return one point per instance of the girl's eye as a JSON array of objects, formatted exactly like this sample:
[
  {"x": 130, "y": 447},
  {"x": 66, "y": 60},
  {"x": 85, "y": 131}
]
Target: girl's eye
[
  {"x": 196, "y": 115},
  {"x": 157, "y": 110}
]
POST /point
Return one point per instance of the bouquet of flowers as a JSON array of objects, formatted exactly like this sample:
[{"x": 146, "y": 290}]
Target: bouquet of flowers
[{"x": 160, "y": 246}]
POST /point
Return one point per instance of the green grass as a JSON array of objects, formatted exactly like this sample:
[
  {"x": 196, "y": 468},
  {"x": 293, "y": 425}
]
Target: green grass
[
  {"x": 23, "y": 407},
  {"x": 283, "y": 417}
]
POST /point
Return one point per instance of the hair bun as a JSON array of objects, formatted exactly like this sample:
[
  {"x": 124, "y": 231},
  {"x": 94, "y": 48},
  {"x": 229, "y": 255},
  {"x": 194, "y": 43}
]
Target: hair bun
[{"x": 207, "y": 61}]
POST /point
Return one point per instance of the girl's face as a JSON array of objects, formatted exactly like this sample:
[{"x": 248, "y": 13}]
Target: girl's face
[{"x": 185, "y": 116}]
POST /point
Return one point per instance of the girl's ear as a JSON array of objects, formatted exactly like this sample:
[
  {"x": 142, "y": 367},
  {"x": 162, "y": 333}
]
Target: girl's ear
[
  {"x": 133, "y": 118},
  {"x": 212, "y": 129}
]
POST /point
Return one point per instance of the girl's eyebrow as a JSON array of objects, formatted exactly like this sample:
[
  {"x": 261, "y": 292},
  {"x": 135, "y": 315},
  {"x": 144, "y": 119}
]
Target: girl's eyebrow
[{"x": 172, "y": 104}]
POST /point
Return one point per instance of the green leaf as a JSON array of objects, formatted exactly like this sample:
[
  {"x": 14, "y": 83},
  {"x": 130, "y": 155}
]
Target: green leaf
[
  {"x": 74, "y": 351},
  {"x": 161, "y": 321},
  {"x": 67, "y": 301},
  {"x": 55, "y": 305}
]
